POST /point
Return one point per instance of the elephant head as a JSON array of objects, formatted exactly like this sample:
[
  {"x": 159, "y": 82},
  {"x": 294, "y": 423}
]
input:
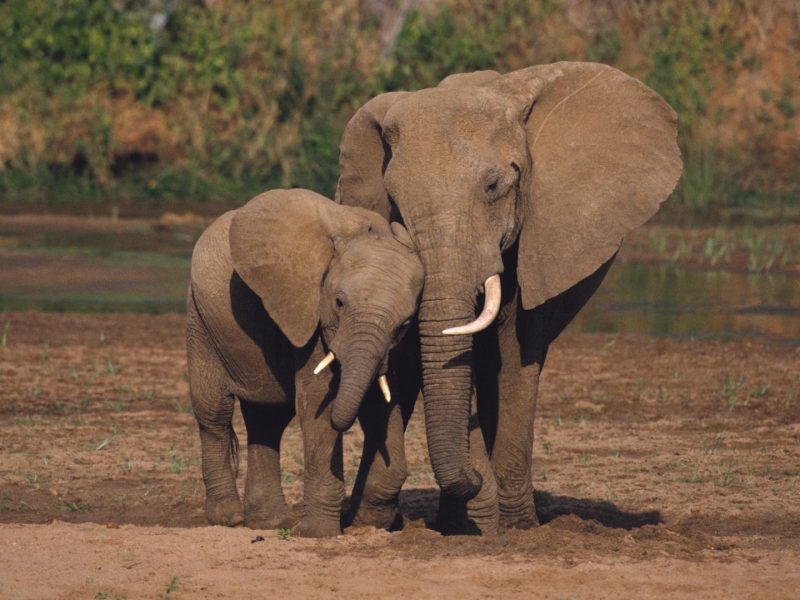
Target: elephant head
[
  {"x": 314, "y": 264},
  {"x": 549, "y": 167}
]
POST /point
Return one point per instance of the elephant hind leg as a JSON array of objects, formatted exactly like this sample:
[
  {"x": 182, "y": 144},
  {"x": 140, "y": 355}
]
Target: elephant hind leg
[
  {"x": 264, "y": 504},
  {"x": 212, "y": 405}
]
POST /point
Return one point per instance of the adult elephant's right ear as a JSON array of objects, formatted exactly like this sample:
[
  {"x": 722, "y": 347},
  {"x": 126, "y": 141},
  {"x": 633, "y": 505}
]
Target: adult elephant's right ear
[
  {"x": 363, "y": 156},
  {"x": 281, "y": 245},
  {"x": 605, "y": 155}
]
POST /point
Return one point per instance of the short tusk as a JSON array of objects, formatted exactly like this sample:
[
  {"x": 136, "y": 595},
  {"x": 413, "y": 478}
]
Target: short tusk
[
  {"x": 491, "y": 306},
  {"x": 384, "y": 383},
  {"x": 329, "y": 357}
]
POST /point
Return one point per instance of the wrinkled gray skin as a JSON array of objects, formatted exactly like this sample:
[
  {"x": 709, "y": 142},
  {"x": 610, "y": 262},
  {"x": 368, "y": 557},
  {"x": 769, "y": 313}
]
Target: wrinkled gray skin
[
  {"x": 274, "y": 286},
  {"x": 535, "y": 175}
]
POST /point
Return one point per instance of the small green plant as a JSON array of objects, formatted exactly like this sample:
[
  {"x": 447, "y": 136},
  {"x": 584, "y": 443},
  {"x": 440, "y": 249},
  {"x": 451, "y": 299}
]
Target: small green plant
[
  {"x": 179, "y": 464},
  {"x": 148, "y": 395},
  {"x": 173, "y": 586},
  {"x": 761, "y": 392},
  {"x": 31, "y": 421},
  {"x": 682, "y": 249},
  {"x": 73, "y": 373},
  {"x": 120, "y": 500},
  {"x": 716, "y": 248},
  {"x": 725, "y": 476},
  {"x": 695, "y": 478},
  {"x": 77, "y": 506},
  {"x": 107, "y": 440},
  {"x": 547, "y": 446},
  {"x": 715, "y": 443},
  {"x": 284, "y": 534},
  {"x": 658, "y": 241},
  {"x": 110, "y": 368},
  {"x": 730, "y": 391},
  {"x": 182, "y": 408},
  {"x": 61, "y": 408},
  {"x": 117, "y": 405},
  {"x": 4, "y": 336},
  {"x": 35, "y": 480},
  {"x": 44, "y": 353},
  {"x": 6, "y": 505},
  {"x": 105, "y": 595}
]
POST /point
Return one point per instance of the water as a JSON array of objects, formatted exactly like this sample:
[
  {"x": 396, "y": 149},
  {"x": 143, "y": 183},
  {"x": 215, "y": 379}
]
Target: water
[
  {"x": 148, "y": 271},
  {"x": 665, "y": 300}
]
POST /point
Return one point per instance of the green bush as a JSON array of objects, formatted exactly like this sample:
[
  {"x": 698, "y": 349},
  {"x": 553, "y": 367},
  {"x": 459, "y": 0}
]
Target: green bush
[{"x": 177, "y": 102}]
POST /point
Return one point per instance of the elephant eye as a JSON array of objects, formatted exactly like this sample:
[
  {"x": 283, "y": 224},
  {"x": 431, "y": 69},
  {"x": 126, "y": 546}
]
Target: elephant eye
[
  {"x": 339, "y": 302},
  {"x": 496, "y": 184}
]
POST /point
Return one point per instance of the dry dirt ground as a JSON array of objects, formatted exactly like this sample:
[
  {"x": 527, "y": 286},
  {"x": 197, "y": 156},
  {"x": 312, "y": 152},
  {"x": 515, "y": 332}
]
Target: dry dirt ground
[{"x": 663, "y": 468}]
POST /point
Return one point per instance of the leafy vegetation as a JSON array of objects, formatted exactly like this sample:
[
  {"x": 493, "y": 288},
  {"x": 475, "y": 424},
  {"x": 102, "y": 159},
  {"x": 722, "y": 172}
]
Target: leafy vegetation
[{"x": 165, "y": 103}]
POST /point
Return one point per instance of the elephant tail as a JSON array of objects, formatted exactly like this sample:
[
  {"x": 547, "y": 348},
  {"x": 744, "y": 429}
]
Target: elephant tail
[{"x": 233, "y": 450}]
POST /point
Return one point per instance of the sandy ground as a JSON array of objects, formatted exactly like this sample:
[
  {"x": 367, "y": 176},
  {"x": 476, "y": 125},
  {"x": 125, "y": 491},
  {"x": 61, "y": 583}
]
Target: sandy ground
[{"x": 663, "y": 468}]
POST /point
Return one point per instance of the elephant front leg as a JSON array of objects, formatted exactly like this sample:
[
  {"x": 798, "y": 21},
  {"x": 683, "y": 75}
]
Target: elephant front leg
[
  {"x": 511, "y": 434},
  {"x": 480, "y": 515},
  {"x": 382, "y": 470},
  {"x": 323, "y": 479}
]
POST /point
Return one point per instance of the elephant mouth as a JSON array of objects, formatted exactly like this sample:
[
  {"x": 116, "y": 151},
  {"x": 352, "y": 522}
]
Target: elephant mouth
[
  {"x": 491, "y": 307},
  {"x": 383, "y": 381}
]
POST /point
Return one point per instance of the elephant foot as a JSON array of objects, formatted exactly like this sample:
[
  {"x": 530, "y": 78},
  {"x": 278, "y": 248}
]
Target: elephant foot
[
  {"x": 272, "y": 520},
  {"x": 267, "y": 512},
  {"x": 456, "y": 517},
  {"x": 518, "y": 513},
  {"x": 467, "y": 526},
  {"x": 225, "y": 511},
  {"x": 317, "y": 528},
  {"x": 518, "y": 521},
  {"x": 384, "y": 516}
]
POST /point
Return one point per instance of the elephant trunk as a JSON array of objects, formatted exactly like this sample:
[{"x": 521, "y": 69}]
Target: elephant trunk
[
  {"x": 360, "y": 361},
  {"x": 447, "y": 384}
]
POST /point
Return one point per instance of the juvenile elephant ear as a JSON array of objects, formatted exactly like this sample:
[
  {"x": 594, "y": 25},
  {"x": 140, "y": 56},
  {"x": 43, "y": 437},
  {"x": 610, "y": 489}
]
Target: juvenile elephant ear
[
  {"x": 605, "y": 155},
  {"x": 363, "y": 156},
  {"x": 281, "y": 245}
]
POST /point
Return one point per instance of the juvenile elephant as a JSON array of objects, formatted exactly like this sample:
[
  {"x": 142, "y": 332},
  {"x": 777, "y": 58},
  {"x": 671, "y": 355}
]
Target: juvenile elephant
[
  {"x": 523, "y": 186},
  {"x": 289, "y": 281}
]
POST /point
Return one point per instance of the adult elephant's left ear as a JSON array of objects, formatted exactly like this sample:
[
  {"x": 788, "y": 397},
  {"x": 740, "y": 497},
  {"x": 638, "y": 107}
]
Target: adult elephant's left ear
[
  {"x": 605, "y": 155},
  {"x": 363, "y": 156}
]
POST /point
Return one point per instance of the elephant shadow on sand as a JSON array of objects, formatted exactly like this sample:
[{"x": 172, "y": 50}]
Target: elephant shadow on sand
[{"x": 423, "y": 504}]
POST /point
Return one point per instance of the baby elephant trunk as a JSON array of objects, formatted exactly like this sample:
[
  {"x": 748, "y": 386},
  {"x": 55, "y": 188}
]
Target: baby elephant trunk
[{"x": 359, "y": 368}]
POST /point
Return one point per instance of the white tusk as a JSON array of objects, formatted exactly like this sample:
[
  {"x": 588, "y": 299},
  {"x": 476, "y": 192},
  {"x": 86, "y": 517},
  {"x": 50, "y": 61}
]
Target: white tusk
[
  {"x": 491, "y": 306},
  {"x": 384, "y": 383},
  {"x": 329, "y": 357}
]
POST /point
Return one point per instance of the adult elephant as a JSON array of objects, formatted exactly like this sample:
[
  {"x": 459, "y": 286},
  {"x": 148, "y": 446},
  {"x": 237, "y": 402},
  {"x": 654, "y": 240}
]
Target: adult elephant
[{"x": 525, "y": 183}]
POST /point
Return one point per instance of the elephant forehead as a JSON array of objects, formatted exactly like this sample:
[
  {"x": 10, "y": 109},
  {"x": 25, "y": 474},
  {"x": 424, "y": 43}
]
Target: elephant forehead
[
  {"x": 378, "y": 256},
  {"x": 467, "y": 109}
]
